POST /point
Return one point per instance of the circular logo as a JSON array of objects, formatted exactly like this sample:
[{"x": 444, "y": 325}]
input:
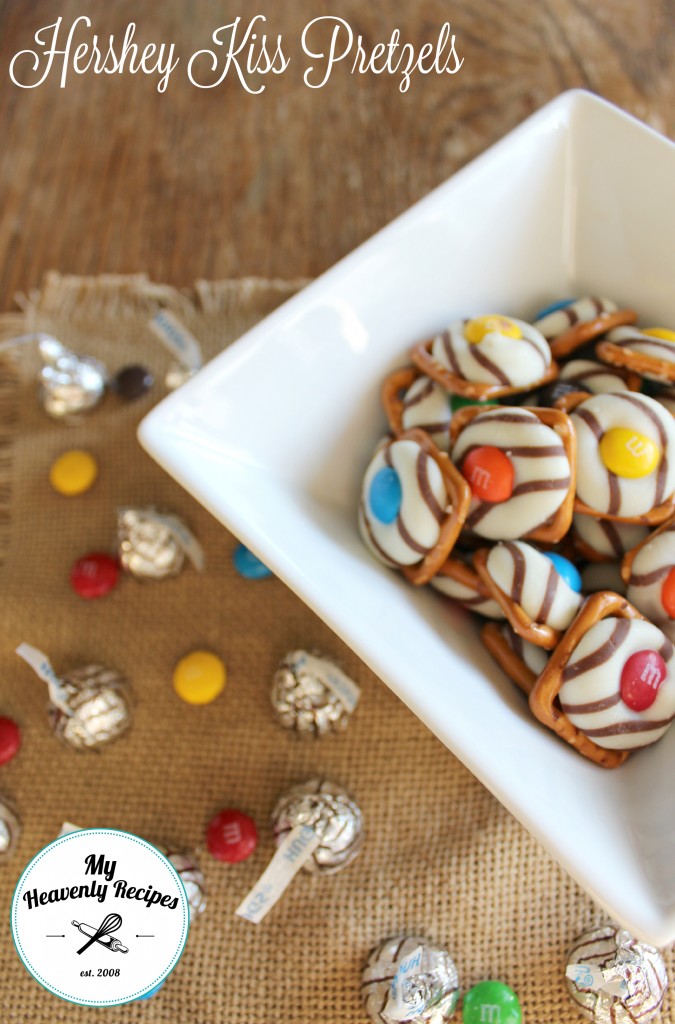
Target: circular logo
[{"x": 100, "y": 917}]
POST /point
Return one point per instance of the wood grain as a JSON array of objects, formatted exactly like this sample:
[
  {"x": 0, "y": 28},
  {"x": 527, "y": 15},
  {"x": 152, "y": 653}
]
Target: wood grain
[{"x": 108, "y": 175}]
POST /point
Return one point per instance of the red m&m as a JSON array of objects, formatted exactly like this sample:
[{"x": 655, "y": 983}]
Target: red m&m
[
  {"x": 231, "y": 836},
  {"x": 641, "y": 677},
  {"x": 489, "y": 473},
  {"x": 94, "y": 575},
  {"x": 10, "y": 739}
]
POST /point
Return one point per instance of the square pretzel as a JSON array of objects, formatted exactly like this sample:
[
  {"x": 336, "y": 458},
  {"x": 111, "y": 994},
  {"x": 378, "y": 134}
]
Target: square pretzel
[
  {"x": 459, "y": 496},
  {"x": 629, "y": 557},
  {"x": 543, "y": 702},
  {"x": 558, "y": 421},
  {"x": 586, "y": 330},
  {"x": 391, "y": 394},
  {"x": 640, "y": 362},
  {"x": 507, "y": 659},
  {"x": 538, "y": 633},
  {"x": 456, "y": 385}
]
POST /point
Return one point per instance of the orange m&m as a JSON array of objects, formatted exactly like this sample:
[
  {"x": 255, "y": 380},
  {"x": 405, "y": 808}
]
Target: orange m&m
[
  {"x": 668, "y": 594},
  {"x": 489, "y": 473}
]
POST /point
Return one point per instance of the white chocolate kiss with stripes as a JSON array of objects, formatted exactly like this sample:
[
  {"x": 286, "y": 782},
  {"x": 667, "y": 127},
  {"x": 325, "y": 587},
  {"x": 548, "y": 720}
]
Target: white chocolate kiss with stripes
[
  {"x": 424, "y": 505},
  {"x": 531, "y": 580},
  {"x": 426, "y": 405},
  {"x": 497, "y": 358},
  {"x": 590, "y": 693},
  {"x": 597, "y": 377},
  {"x": 541, "y": 471},
  {"x": 535, "y": 658},
  {"x": 608, "y": 538},
  {"x": 607, "y": 949},
  {"x": 649, "y": 570},
  {"x": 588, "y": 308},
  {"x": 634, "y": 340},
  {"x": 603, "y": 490},
  {"x": 468, "y": 597}
]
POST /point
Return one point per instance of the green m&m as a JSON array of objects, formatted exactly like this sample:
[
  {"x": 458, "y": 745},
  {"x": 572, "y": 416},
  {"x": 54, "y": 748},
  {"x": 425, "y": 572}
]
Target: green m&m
[{"x": 491, "y": 1002}]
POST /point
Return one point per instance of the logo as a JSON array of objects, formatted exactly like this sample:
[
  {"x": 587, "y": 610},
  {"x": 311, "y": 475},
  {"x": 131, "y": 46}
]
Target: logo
[{"x": 100, "y": 917}]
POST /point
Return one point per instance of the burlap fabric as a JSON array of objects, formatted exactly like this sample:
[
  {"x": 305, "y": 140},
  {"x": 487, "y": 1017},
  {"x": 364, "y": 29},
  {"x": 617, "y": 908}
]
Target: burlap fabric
[{"x": 442, "y": 857}]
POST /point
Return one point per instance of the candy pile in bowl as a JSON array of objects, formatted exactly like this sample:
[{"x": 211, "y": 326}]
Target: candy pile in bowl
[{"x": 529, "y": 475}]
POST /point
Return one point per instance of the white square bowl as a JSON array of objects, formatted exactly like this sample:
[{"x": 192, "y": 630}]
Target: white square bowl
[{"x": 274, "y": 434}]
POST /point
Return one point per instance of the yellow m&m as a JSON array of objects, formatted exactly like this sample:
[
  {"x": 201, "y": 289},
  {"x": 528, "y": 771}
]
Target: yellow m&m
[
  {"x": 199, "y": 677},
  {"x": 477, "y": 328},
  {"x": 628, "y": 454},
  {"x": 660, "y": 332},
  {"x": 73, "y": 473}
]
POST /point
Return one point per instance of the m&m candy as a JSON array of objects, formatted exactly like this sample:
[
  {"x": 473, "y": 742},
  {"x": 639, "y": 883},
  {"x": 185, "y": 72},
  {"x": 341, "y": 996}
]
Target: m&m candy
[
  {"x": 553, "y": 308},
  {"x": 668, "y": 594},
  {"x": 477, "y": 328},
  {"x": 73, "y": 473},
  {"x": 94, "y": 575},
  {"x": 132, "y": 381},
  {"x": 641, "y": 678},
  {"x": 659, "y": 332},
  {"x": 10, "y": 739},
  {"x": 489, "y": 473},
  {"x": 385, "y": 495},
  {"x": 231, "y": 836},
  {"x": 460, "y": 402},
  {"x": 249, "y": 565},
  {"x": 491, "y": 1001},
  {"x": 199, "y": 677},
  {"x": 566, "y": 569},
  {"x": 628, "y": 454}
]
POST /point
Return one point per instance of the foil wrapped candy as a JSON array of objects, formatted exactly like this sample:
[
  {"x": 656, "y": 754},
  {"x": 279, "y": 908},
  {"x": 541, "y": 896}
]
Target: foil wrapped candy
[
  {"x": 10, "y": 828},
  {"x": 409, "y": 979},
  {"x": 331, "y": 813},
  {"x": 153, "y": 544},
  {"x": 190, "y": 874},
  {"x": 69, "y": 384},
  {"x": 614, "y": 979},
  {"x": 312, "y": 695},
  {"x": 89, "y": 706}
]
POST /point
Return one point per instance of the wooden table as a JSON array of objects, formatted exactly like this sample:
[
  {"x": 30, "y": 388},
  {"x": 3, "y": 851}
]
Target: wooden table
[{"x": 108, "y": 174}]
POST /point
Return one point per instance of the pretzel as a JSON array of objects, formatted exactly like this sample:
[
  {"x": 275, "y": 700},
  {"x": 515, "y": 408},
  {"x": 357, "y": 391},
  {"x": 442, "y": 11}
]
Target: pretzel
[
  {"x": 507, "y": 659},
  {"x": 538, "y": 633},
  {"x": 459, "y": 496},
  {"x": 391, "y": 393},
  {"x": 654, "y": 517},
  {"x": 629, "y": 557},
  {"x": 554, "y": 530},
  {"x": 639, "y": 362},
  {"x": 456, "y": 385},
  {"x": 586, "y": 330},
  {"x": 543, "y": 701}
]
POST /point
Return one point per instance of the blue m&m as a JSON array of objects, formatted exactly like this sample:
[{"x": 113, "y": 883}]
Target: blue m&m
[
  {"x": 553, "y": 308},
  {"x": 567, "y": 570},
  {"x": 385, "y": 495},
  {"x": 249, "y": 565}
]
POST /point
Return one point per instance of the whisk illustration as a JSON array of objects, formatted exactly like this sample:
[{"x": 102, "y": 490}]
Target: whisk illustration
[{"x": 103, "y": 934}]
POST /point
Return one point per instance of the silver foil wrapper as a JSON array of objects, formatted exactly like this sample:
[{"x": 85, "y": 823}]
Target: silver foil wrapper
[
  {"x": 10, "y": 828},
  {"x": 69, "y": 384},
  {"x": 329, "y": 810},
  {"x": 187, "y": 866},
  {"x": 614, "y": 979},
  {"x": 96, "y": 709},
  {"x": 311, "y": 694},
  {"x": 409, "y": 979},
  {"x": 177, "y": 375},
  {"x": 149, "y": 548}
]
